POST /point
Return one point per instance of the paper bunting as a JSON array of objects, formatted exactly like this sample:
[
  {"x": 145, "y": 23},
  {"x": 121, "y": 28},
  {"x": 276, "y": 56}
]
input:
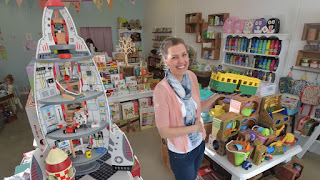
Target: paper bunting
[
  {"x": 76, "y": 6},
  {"x": 88, "y": 5},
  {"x": 42, "y": 3},
  {"x": 98, "y": 3},
  {"x": 19, "y": 2},
  {"x": 67, "y": 4},
  {"x": 110, "y": 3},
  {"x": 30, "y": 3},
  {"x": 7, "y": 1},
  {"x": 132, "y": 1}
]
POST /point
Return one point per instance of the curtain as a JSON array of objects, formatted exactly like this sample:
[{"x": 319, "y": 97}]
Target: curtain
[{"x": 101, "y": 37}]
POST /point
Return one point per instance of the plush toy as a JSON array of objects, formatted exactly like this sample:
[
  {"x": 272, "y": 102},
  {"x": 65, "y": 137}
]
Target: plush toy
[
  {"x": 273, "y": 25},
  {"x": 258, "y": 25},
  {"x": 248, "y": 26},
  {"x": 228, "y": 26},
  {"x": 238, "y": 26},
  {"x": 138, "y": 24}
]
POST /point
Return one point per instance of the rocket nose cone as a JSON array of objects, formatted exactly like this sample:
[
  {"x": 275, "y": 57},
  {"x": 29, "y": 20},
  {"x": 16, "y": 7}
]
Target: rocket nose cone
[{"x": 57, "y": 3}]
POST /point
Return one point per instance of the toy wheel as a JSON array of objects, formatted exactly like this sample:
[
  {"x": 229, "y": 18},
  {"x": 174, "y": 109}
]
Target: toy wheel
[
  {"x": 243, "y": 95},
  {"x": 238, "y": 92},
  {"x": 74, "y": 131},
  {"x": 64, "y": 131},
  {"x": 248, "y": 96},
  {"x": 247, "y": 168},
  {"x": 250, "y": 166}
]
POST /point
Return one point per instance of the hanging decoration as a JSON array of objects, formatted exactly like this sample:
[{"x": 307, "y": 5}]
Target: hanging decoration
[
  {"x": 67, "y": 4},
  {"x": 110, "y": 3},
  {"x": 19, "y": 2},
  {"x": 3, "y": 52},
  {"x": 42, "y": 3},
  {"x": 7, "y": 1},
  {"x": 76, "y": 6},
  {"x": 98, "y": 3},
  {"x": 30, "y": 3},
  {"x": 132, "y": 1},
  {"x": 88, "y": 5}
]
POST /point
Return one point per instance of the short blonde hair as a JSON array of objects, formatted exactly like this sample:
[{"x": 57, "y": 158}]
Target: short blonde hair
[{"x": 167, "y": 43}]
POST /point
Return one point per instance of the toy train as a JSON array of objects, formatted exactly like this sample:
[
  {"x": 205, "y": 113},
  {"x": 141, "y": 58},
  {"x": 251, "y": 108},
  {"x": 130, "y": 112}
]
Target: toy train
[{"x": 233, "y": 83}]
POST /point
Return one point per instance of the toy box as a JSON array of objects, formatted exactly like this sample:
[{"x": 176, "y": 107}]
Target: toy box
[
  {"x": 114, "y": 77},
  {"x": 116, "y": 111},
  {"x": 145, "y": 102},
  {"x": 226, "y": 125},
  {"x": 133, "y": 126},
  {"x": 266, "y": 89},
  {"x": 147, "y": 118},
  {"x": 208, "y": 128},
  {"x": 249, "y": 106},
  {"x": 291, "y": 102},
  {"x": 249, "y": 122},
  {"x": 265, "y": 135},
  {"x": 129, "y": 109},
  {"x": 259, "y": 154},
  {"x": 291, "y": 170},
  {"x": 217, "y": 145}
]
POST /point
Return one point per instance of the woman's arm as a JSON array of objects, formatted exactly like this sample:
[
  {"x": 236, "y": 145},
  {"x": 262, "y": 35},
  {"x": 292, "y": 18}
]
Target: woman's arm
[
  {"x": 208, "y": 103},
  {"x": 167, "y": 132}
]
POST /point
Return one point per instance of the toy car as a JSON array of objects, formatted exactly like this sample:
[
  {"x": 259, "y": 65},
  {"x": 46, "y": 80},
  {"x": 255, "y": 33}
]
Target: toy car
[
  {"x": 71, "y": 129},
  {"x": 246, "y": 165}
]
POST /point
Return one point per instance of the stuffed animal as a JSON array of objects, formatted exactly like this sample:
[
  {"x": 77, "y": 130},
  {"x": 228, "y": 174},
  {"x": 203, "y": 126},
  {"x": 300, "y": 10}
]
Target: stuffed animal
[
  {"x": 238, "y": 26},
  {"x": 258, "y": 25},
  {"x": 273, "y": 25},
  {"x": 228, "y": 26},
  {"x": 248, "y": 26},
  {"x": 138, "y": 24}
]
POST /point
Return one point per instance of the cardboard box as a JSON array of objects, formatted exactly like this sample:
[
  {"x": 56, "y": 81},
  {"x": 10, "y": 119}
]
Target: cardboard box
[
  {"x": 217, "y": 145},
  {"x": 220, "y": 125},
  {"x": 116, "y": 111},
  {"x": 207, "y": 174},
  {"x": 238, "y": 103},
  {"x": 145, "y": 102},
  {"x": 129, "y": 109},
  {"x": 208, "y": 128},
  {"x": 133, "y": 126},
  {"x": 147, "y": 118},
  {"x": 290, "y": 170}
]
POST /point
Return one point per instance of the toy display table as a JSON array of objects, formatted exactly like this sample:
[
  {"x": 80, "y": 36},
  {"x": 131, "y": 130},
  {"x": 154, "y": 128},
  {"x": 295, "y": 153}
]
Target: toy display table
[
  {"x": 238, "y": 173},
  {"x": 130, "y": 97}
]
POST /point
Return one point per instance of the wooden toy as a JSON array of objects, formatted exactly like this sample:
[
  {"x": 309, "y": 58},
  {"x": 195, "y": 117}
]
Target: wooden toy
[
  {"x": 126, "y": 47},
  {"x": 259, "y": 154},
  {"x": 226, "y": 125},
  {"x": 272, "y": 114},
  {"x": 217, "y": 145},
  {"x": 291, "y": 170},
  {"x": 238, "y": 151},
  {"x": 230, "y": 83}
]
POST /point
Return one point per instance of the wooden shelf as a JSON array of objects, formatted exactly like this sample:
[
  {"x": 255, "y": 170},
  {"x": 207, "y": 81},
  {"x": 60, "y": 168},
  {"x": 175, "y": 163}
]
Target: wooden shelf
[
  {"x": 193, "y": 22},
  {"x": 312, "y": 55},
  {"x": 311, "y": 32},
  {"x": 222, "y": 18},
  {"x": 162, "y": 32},
  {"x": 214, "y": 49}
]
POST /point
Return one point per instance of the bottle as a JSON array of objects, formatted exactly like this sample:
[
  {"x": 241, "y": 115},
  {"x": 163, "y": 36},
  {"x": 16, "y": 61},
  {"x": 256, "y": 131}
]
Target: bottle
[
  {"x": 249, "y": 45},
  {"x": 245, "y": 45},
  {"x": 268, "y": 64},
  {"x": 247, "y": 61},
  {"x": 270, "y": 77},
  {"x": 264, "y": 46},
  {"x": 276, "y": 47},
  {"x": 267, "y": 47},
  {"x": 279, "y": 48},
  {"x": 240, "y": 60},
  {"x": 260, "y": 46},
  {"x": 276, "y": 65},
  {"x": 204, "y": 36},
  {"x": 261, "y": 63},
  {"x": 253, "y": 44},
  {"x": 272, "y": 65},
  {"x": 271, "y": 47},
  {"x": 264, "y": 64},
  {"x": 257, "y": 63},
  {"x": 256, "y": 46},
  {"x": 264, "y": 77},
  {"x": 235, "y": 44},
  {"x": 230, "y": 44},
  {"x": 253, "y": 64},
  {"x": 239, "y": 44}
]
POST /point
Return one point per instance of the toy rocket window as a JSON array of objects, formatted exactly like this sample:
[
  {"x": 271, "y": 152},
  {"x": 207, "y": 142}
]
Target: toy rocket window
[
  {"x": 88, "y": 73},
  {"x": 57, "y": 20}
]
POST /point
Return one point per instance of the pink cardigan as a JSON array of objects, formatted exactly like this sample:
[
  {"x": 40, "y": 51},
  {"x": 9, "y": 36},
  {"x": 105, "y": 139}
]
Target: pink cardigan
[{"x": 168, "y": 109}]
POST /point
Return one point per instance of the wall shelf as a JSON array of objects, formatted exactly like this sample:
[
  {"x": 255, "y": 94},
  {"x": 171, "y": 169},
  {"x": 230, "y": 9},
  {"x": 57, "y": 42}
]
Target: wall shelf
[
  {"x": 246, "y": 67},
  {"x": 247, "y": 53},
  {"x": 222, "y": 18}
]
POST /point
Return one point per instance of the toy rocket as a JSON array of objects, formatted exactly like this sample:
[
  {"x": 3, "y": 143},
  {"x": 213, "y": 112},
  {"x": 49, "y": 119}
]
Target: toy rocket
[{"x": 65, "y": 77}]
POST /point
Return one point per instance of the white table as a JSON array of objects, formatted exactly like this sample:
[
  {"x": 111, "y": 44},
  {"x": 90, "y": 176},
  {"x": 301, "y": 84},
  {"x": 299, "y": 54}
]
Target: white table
[{"x": 238, "y": 173}]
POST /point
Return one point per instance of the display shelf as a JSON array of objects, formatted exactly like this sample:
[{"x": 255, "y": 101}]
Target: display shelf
[
  {"x": 245, "y": 67},
  {"x": 311, "y": 32},
  {"x": 162, "y": 32},
  {"x": 81, "y": 132},
  {"x": 247, "y": 53},
  {"x": 129, "y": 31},
  {"x": 58, "y": 99},
  {"x": 130, "y": 97},
  {"x": 155, "y": 57},
  {"x": 308, "y": 69},
  {"x": 222, "y": 19},
  {"x": 56, "y": 59},
  {"x": 280, "y": 36},
  {"x": 193, "y": 22},
  {"x": 312, "y": 55},
  {"x": 240, "y": 173},
  {"x": 83, "y": 160}
]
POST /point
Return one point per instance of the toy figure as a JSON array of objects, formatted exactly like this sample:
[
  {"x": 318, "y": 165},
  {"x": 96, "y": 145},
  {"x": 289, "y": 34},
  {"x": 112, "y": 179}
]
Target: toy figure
[
  {"x": 228, "y": 26},
  {"x": 248, "y": 26},
  {"x": 258, "y": 25},
  {"x": 80, "y": 117},
  {"x": 273, "y": 25},
  {"x": 238, "y": 26},
  {"x": 8, "y": 86}
]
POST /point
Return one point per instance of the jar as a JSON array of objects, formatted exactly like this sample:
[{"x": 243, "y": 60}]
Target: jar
[
  {"x": 305, "y": 62},
  {"x": 314, "y": 64}
]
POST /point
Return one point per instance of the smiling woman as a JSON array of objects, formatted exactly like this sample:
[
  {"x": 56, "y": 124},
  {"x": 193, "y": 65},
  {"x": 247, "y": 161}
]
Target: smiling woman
[{"x": 177, "y": 111}]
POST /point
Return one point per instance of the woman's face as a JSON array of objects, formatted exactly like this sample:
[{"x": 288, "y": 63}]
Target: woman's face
[{"x": 177, "y": 61}]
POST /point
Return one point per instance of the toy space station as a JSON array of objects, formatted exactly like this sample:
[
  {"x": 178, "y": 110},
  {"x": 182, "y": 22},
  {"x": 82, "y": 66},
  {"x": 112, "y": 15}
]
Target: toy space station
[{"x": 70, "y": 110}]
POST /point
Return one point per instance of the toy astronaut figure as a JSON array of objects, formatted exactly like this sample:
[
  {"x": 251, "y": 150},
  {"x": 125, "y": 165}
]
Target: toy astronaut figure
[{"x": 80, "y": 117}]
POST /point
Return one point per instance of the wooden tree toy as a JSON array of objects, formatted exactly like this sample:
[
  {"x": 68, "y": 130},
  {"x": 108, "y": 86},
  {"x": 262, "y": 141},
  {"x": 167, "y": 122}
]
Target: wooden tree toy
[{"x": 126, "y": 47}]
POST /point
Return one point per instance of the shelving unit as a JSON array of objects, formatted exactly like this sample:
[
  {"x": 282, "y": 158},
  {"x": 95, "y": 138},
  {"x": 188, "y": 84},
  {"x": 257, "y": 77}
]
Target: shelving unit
[
  {"x": 311, "y": 32},
  {"x": 193, "y": 22},
  {"x": 312, "y": 55},
  {"x": 285, "y": 40},
  {"x": 214, "y": 48},
  {"x": 213, "y": 21},
  {"x": 136, "y": 36}
]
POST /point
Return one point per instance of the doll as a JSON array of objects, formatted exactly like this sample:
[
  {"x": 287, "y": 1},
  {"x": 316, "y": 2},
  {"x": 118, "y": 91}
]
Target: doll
[
  {"x": 8, "y": 86},
  {"x": 238, "y": 26},
  {"x": 228, "y": 26},
  {"x": 258, "y": 25},
  {"x": 248, "y": 25}
]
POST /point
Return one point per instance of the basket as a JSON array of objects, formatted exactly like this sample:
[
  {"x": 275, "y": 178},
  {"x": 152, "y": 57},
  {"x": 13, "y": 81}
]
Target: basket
[{"x": 203, "y": 74}]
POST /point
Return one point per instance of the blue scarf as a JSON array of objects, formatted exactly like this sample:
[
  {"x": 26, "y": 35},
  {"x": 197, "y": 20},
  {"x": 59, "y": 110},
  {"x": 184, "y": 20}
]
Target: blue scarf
[{"x": 183, "y": 91}]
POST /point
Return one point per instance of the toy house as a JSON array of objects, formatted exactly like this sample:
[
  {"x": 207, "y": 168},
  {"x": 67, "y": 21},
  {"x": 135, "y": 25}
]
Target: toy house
[
  {"x": 226, "y": 125},
  {"x": 217, "y": 145},
  {"x": 272, "y": 114}
]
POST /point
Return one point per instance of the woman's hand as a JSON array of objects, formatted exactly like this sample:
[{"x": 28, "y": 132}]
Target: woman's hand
[{"x": 198, "y": 126}]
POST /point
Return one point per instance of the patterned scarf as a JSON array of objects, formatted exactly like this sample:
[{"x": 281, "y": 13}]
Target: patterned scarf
[{"x": 183, "y": 91}]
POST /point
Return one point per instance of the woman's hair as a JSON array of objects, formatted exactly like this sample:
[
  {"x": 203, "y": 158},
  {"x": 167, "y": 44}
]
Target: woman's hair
[
  {"x": 167, "y": 43},
  {"x": 90, "y": 41},
  {"x": 9, "y": 76}
]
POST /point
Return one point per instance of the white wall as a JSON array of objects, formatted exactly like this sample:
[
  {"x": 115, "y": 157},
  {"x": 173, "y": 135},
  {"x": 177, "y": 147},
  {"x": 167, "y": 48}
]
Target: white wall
[{"x": 292, "y": 14}]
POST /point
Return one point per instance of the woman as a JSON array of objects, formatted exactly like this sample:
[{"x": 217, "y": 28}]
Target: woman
[{"x": 177, "y": 111}]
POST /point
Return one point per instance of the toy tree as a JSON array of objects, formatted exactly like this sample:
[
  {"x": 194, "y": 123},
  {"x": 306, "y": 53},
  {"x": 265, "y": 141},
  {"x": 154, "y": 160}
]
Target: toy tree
[{"x": 126, "y": 47}]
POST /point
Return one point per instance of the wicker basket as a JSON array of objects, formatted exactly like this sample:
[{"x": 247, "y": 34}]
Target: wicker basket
[{"x": 203, "y": 74}]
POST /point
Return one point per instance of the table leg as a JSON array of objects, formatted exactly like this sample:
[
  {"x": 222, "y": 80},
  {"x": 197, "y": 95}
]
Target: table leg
[
  {"x": 309, "y": 142},
  {"x": 12, "y": 106},
  {"x": 293, "y": 122},
  {"x": 234, "y": 177}
]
